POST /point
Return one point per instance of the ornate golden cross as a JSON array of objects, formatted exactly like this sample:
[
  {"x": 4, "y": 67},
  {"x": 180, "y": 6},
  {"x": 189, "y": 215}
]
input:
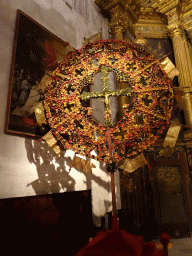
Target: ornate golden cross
[{"x": 106, "y": 94}]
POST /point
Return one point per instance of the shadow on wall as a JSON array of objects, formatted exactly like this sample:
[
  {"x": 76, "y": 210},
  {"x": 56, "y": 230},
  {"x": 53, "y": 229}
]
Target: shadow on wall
[
  {"x": 51, "y": 169},
  {"x": 54, "y": 177}
]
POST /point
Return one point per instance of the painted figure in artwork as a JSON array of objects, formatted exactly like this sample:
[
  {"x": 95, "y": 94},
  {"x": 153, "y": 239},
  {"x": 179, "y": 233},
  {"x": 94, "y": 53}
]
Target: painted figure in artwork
[
  {"x": 25, "y": 89},
  {"x": 34, "y": 97}
]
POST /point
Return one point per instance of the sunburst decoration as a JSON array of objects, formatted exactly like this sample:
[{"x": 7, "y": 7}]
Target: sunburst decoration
[{"x": 148, "y": 87}]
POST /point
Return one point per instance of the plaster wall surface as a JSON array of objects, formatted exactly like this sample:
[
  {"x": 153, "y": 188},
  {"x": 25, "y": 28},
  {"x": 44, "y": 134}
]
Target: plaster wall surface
[{"x": 26, "y": 167}]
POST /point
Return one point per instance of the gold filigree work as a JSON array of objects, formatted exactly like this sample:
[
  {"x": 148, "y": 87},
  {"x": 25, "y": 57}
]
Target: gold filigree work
[
  {"x": 174, "y": 31},
  {"x": 169, "y": 179}
]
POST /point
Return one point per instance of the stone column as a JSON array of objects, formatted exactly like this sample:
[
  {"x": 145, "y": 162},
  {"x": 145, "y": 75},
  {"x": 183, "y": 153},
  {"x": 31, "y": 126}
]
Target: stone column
[
  {"x": 188, "y": 54},
  {"x": 185, "y": 76},
  {"x": 118, "y": 34},
  {"x": 189, "y": 34},
  {"x": 118, "y": 29},
  {"x": 117, "y": 23},
  {"x": 188, "y": 93},
  {"x": 183, "y": 64}
]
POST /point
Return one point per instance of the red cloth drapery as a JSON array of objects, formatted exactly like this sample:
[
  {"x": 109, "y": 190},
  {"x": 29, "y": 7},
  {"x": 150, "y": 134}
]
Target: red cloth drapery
[
  {"x": 117, "y": 242},
  {"x": 50, "y": 61}
]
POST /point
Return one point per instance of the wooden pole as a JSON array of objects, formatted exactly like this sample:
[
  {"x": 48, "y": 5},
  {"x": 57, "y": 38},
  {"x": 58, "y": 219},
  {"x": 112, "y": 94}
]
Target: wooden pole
[
  {"x": 112, "y": 177},
  {"x": 113, "y": 193}
]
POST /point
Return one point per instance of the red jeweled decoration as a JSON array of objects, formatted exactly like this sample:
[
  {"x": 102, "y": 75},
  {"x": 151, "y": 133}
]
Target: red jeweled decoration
[{"x": 147, "y": 84}]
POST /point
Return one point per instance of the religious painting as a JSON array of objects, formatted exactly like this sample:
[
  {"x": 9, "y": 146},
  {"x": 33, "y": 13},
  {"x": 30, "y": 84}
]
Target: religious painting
[
  {"x": 162, "y": 47},
  {"x": 36, "y": 54}
]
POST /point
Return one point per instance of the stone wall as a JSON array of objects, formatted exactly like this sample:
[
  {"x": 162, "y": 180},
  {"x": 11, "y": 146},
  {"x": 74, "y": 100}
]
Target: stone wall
[{"x": 27, "y": 167}]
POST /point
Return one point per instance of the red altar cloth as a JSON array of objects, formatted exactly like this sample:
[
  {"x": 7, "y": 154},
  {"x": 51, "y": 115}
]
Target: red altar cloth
[{"x": 117, "y": 242}]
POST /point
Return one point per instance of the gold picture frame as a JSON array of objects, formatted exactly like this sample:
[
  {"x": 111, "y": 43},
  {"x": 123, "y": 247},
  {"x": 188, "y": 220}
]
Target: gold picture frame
[{"x": 36, "y": 54}]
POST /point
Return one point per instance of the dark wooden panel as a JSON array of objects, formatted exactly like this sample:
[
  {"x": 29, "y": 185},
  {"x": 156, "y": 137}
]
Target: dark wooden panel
[
  {"x": 137, "y": 202},
  {"x": 57, "y": 222},
  {"x": 178, "y": 221}
]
